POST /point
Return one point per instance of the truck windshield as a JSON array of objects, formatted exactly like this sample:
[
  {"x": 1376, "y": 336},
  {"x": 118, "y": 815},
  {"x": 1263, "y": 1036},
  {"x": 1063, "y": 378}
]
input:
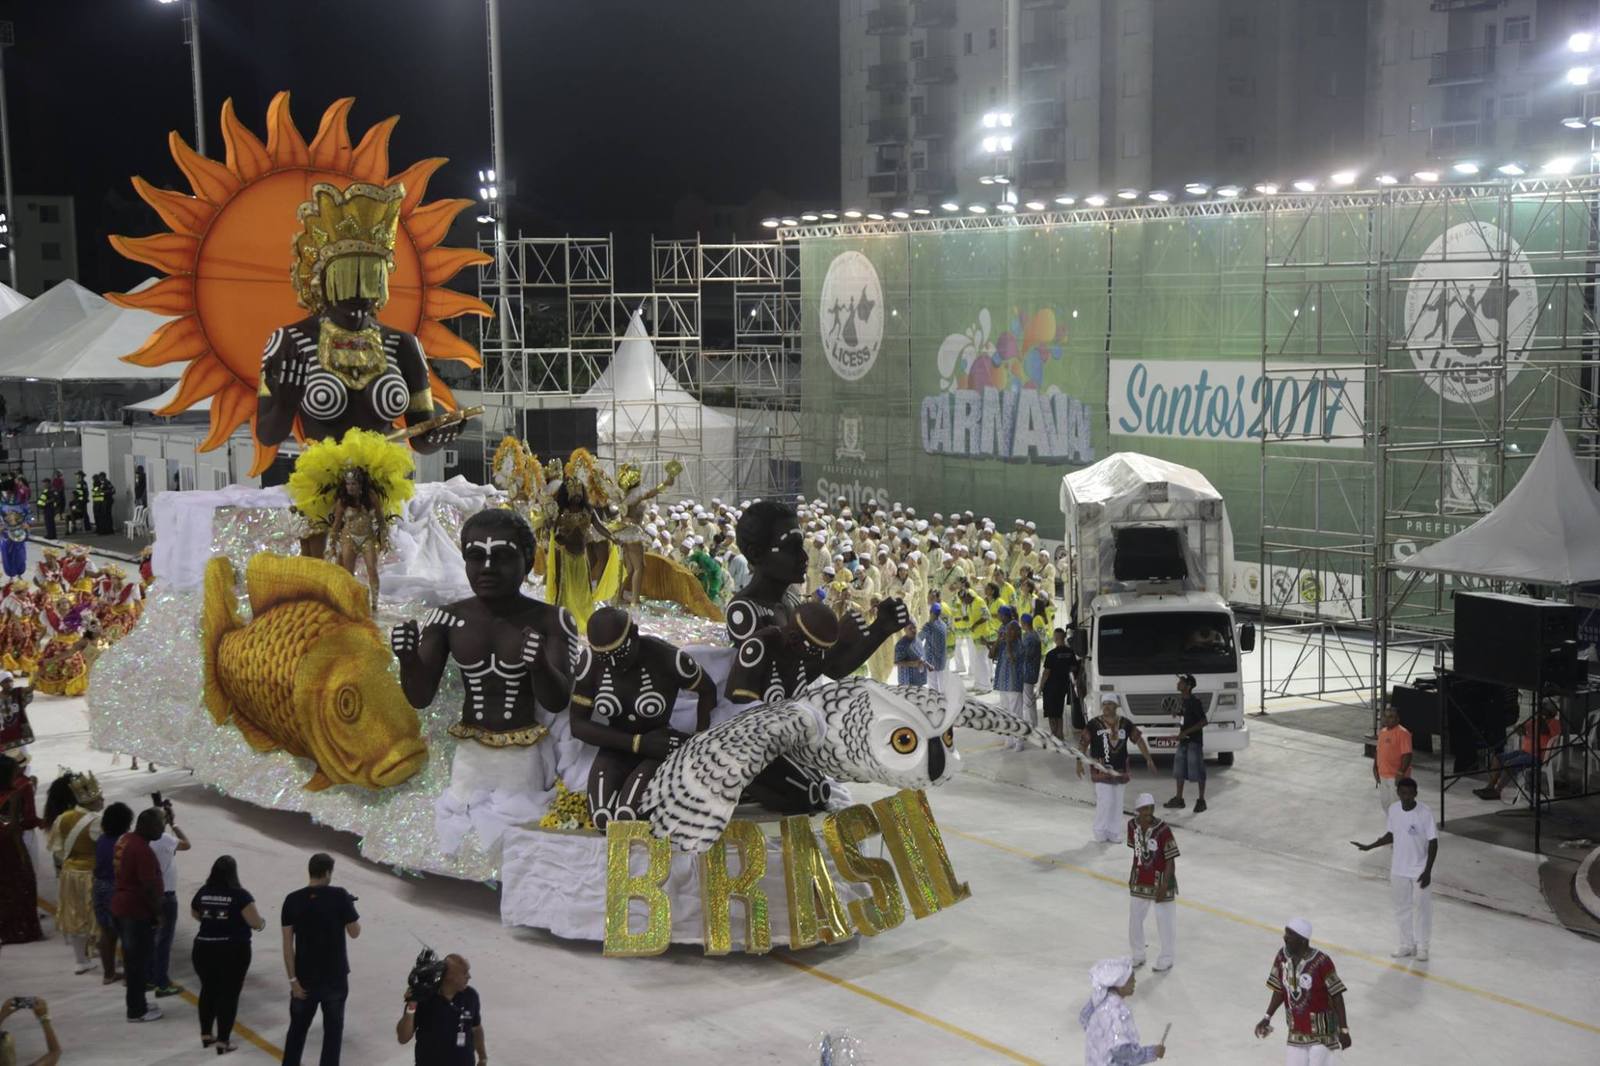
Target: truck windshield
[{"x": 1182, "y": 642}]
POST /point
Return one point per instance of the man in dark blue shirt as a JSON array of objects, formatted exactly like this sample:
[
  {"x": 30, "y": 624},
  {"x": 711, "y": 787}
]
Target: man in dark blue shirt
[
  {"x": 316, "y": 920},
  {"x": 448, "y": 1022}
]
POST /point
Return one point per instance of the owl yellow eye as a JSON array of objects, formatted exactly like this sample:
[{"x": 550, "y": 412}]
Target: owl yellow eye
[
  {"x": 904, "y": 740},
  {"x": 949, "y": 738}
]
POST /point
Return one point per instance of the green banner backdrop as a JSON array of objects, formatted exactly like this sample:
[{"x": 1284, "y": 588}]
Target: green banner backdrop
[{"x": 970, "y": 369}]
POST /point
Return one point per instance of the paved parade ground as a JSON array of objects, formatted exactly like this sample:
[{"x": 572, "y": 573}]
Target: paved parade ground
[{"x": 998, "y": 978}]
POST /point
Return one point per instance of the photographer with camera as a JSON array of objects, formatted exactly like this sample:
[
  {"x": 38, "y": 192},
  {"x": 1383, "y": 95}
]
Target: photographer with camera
[
  {"x": 442, "y": 1013},
  {"x": 166, "y": 847},
  {"x": 41, "y": 1010}
]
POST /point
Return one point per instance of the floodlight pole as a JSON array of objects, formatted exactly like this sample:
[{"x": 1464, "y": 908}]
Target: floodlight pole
[
  {"x": 192, "y": 25},
  {"x": 6, "y": 40},
  {"x": 497, "y": 133}
]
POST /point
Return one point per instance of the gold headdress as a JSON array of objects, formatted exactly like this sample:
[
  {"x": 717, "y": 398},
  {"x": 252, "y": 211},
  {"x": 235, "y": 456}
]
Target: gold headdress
[
  {"x": 346, "y": 243},
  {"x": 628, "y": 477},
  {"x": 85, "y": 788}
]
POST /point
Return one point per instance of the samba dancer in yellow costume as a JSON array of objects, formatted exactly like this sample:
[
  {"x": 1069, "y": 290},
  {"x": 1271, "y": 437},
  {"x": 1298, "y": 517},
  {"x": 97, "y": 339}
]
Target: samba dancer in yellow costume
[
  {"x": 353, "y": 488},
  {"x": 72, "y": 809},
  {"x": 583, "y": 567}
]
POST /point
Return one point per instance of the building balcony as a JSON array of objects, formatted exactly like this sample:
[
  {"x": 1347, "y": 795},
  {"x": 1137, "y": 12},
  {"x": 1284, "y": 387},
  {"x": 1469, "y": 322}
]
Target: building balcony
[
  {"x": 1043, "y": 114},
  {"x": 1462, "y": 65},
  {"x": 886, "y": 131},
  {"x": 930, "y": 127},
  {"x": 886, "y": 184},
  {"x": 934, "y": 182},
  {"x": 886, "y": 77},
  {"x": 930, "y": 14},
  {"x": 1452, "y": 138},
  {"x": 933, "y": 70},
  {"x": 1042, "y": 53},
  {"x": 1039, "y": 173},
  {"x": 888, "y": 18}
]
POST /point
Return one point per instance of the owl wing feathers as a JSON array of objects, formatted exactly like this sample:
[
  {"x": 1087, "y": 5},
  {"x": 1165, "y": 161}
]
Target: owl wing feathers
[
  {"x": 693, "y": 794},
  {"x": 983, "y": 717}
]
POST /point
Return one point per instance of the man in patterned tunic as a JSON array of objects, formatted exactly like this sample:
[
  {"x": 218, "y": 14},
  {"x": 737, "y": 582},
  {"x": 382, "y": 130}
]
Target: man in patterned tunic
[
  {"x": 1153, "y": 880},
  {"x": 1303, "y": 979}
]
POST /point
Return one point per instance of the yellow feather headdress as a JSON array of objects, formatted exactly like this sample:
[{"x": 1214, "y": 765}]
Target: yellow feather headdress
[{"x": 321, "y": 468}]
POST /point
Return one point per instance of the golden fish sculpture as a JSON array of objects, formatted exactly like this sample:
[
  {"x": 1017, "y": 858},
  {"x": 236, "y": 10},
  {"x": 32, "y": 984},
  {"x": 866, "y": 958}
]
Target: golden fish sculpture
[{"x": 309, "y": 673}]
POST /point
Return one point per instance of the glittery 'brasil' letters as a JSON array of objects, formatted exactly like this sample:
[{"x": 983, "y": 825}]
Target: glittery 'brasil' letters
[{"x": 816, "y": 914}]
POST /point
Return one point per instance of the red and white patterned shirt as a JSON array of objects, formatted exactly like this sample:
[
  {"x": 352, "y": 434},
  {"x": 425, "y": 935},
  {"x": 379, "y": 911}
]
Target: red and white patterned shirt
[
  {"x": 1154, "y": 847},
  {"x": 1308, "y": 985}
]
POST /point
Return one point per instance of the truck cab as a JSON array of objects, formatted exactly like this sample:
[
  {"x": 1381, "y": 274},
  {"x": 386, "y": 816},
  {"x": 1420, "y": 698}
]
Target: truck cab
[{"x": 1136, "y": 645}]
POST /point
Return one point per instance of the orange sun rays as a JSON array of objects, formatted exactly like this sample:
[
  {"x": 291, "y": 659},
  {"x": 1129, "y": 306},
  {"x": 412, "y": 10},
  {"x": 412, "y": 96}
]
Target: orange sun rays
[{"x": 227, "y": 258}]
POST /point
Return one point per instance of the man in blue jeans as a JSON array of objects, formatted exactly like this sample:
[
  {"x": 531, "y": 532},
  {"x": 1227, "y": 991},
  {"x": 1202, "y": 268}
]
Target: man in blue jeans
[
  {"x": 166, "y": 848},
  {"x": 1189, "y": 764},
  {"x": 316, "y": 920}
]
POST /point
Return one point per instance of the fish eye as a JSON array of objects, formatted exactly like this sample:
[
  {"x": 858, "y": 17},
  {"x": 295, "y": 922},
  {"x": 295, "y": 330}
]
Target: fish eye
[
  {"x": 949, "y": 738},
  {"x": 347, "y": 705},
  {"x": 904, "y": 740}
]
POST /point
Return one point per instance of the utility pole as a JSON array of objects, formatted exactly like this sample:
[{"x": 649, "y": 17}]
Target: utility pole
[{"x": 7, "y": 39}]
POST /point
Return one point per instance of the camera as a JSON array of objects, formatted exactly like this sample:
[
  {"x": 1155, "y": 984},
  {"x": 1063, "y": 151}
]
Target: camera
[
  {"x": 23, "y": 1003},
  {"x": 164, "y": 804},
  {"x": 425, "y": 976}
]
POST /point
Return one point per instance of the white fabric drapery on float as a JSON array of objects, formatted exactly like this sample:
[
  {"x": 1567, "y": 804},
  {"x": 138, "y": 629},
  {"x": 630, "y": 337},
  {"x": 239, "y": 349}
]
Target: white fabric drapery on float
[{"x": 1545, "y": 532}]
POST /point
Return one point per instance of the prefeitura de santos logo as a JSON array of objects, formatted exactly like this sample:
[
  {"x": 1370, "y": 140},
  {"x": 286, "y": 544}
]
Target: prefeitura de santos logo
[
  {"x": 1458, "y": 312},
  {"x": 852, "y": 315}
]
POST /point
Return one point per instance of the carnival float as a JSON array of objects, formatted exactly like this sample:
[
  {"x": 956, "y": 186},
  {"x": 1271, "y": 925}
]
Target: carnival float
[{"x": 492, "y": 682}]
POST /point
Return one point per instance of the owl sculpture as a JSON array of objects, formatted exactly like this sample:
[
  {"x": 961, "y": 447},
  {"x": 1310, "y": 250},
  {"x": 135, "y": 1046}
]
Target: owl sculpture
[{"x": 851, "y": 730}]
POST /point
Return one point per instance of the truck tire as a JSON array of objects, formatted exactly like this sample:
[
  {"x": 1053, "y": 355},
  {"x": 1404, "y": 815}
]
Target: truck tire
[{"x": 1224, "y": 758}]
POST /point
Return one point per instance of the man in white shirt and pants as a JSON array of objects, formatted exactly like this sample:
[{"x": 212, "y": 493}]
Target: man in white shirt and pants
[{"x": 1416, "y": 844}]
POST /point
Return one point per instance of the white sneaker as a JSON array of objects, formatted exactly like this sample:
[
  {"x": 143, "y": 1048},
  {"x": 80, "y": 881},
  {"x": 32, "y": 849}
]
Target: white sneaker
[
  {"x": 152, "y": 1015},
  {"x": 1403, "y": 953},
  {"x": 1137, "y": 963},
  {"x": 1161, "y": 967},
  {"x": 1422, "y": 954}
]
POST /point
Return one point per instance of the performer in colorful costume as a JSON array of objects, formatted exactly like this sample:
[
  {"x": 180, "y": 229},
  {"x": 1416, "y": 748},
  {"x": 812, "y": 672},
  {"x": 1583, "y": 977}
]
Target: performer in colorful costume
[
  {"x": 351, "y": 489},
  {"x": 583, "y": 565},
  {"x": 14, "y": 518},
  {"x": 629, "y": 530},
  {"x": 72, "y": 808},
  {"x": 74, "y": 644},
  {"x": 339, "y": 368}
]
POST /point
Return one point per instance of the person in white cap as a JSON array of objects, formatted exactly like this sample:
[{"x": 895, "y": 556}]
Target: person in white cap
[
  {"x": 1110, "y": 1038},
  {"x": 1303, "y": 980},
  {"x": 1106, "y": 738},
  {"x": 1153, "y": 881}
]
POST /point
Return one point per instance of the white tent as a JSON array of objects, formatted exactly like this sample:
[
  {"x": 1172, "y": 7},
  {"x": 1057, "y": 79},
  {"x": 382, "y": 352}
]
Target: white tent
[
  {"x": 92, "y": 348},
  {"x": 26, "y": 331},
  {"x": 156, "y": 403},
  {"x": 1545, "y": 532},
  {"x": 645, "y": 414},
  {"x": 11, "y": 300}
]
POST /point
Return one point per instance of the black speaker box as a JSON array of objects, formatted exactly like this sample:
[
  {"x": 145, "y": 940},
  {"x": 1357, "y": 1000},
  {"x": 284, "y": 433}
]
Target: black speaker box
[
  {"x": 1149, "y": 553},
  {"x": 1512, "y": 640},
  {"x": 555, "y": 433}
]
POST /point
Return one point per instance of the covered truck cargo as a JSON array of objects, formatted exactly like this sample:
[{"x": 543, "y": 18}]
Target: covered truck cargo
[{"x": 1132, "y": 519}]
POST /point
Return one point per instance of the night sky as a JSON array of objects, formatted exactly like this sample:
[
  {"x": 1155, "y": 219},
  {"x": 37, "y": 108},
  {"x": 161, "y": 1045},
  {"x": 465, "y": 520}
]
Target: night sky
[{"x": 614, "y": 108}]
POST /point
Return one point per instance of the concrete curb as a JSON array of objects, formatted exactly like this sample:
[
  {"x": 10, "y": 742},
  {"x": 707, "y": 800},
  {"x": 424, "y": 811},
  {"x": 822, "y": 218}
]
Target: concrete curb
[{"x": 1583, "y": 888}]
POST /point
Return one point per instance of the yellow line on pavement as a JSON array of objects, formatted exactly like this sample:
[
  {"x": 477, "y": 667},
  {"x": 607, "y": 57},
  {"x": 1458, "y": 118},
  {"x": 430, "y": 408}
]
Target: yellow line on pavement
[
  {"x": 910, "y": 1012},
  {"x": 239, "y": 1028},
  {"x": 1218, "y": 912}
]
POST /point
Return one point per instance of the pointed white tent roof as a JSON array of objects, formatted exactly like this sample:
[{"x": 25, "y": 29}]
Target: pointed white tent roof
[
  {"x": 156, "y": 403},
  {"x": 640, "y": 401},
  {"x": 92, "y": 349},
  {"x": 1545, "y": 532},
  {"x": 41, "y": 322},
  {"x": 11, "y": 300}
]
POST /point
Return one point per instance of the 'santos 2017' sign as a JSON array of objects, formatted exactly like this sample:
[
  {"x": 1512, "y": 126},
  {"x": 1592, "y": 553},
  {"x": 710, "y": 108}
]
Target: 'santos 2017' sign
[{"x": 1206, "y": 401}]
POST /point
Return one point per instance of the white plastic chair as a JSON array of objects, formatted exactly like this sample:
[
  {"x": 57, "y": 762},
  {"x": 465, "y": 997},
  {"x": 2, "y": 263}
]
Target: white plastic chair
[{"x": 139, "y": 524}]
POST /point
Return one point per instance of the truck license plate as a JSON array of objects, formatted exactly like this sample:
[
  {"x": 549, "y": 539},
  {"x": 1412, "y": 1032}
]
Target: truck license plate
[{"x": 1163, "y": 742}]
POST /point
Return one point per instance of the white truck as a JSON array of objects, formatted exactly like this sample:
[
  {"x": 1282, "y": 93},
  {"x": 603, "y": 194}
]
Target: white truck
[{"x": 1150, "y": 546}]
